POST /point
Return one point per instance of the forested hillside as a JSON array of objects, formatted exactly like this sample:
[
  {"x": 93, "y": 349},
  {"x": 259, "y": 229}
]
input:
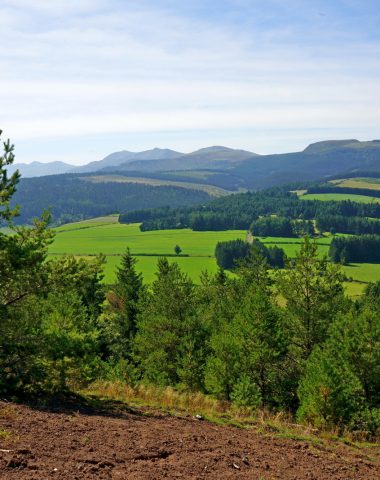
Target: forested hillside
[
  {"x": 247, "y": 209},
  {"x": 72, "y": 198}
]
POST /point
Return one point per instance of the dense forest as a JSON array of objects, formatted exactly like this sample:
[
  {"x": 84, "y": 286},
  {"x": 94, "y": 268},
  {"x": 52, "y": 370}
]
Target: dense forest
[
  {"x": 363, "y": 248},
  {"x": 315, "y": 354},
  {"x": 243, "y": 211},
  {"x": 71, "y": 198},
  {"x": 232, "y": 254},
  {"x": 352, "y": 225}
]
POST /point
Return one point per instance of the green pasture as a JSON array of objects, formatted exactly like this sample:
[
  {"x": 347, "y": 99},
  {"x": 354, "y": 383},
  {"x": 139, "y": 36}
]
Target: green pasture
[
  {"x": 336, "y": 197},
  {"x": 112, "y": 239},
  {"x": 363, "y": 272},
  {"x": 105, "y": 235}
]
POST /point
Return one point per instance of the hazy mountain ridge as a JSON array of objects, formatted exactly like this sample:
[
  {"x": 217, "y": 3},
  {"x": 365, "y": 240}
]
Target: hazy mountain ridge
[
  {"x": 123, "y": 157},
  {"x": 39, "y": 169},
  {"x": 245, "y": 169},
  {"x": 216, "y": 157}
]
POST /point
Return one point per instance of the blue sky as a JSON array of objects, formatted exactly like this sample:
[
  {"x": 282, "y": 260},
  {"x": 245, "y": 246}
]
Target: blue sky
[{"x": 81, "y": 79}]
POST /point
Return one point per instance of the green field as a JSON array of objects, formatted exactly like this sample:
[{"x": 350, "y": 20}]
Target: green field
[
  {"x": 336, "y": 197},
  {"x": 105, "y": 235},
  {"x": 363, "y": 272},
  {"x": 111, "y": 238}
]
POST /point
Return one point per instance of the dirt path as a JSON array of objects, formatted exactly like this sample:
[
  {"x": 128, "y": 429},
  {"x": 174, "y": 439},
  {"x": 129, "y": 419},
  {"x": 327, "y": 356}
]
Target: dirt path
[{"x": 72, "y": 444}]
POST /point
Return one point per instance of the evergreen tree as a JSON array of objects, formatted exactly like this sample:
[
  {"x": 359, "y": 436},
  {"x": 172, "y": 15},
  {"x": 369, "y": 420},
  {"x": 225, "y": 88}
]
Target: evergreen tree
[
  {"x": 248, "y": 353},
  {"x": 341, "y": 383},
  {"x": 170, "y": 340},
  {"x": 118, "y": 322},
  {"x": 313, "y": 290},
  {"x": 38, "y": 297}
]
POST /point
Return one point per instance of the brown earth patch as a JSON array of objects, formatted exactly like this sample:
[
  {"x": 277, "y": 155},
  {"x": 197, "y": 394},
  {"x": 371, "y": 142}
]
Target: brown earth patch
[{"x": 77, "y": 443}]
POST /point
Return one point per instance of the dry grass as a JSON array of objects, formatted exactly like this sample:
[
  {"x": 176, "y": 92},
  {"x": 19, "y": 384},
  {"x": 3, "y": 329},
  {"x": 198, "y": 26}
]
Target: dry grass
[
  {"x": 280, "y": 424},
  {"x": 163, "y": 398},
  {"x": 8, "y": 412},
  {"x": 368, "y": 183}
]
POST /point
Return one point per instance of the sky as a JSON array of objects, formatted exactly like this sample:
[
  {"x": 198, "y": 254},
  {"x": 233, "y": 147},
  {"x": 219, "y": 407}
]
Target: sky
[{"x": 82, "y": 79}]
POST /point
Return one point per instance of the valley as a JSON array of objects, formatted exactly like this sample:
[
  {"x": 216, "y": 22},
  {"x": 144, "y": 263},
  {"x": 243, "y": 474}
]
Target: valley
[{"x": 105, "y": 235}]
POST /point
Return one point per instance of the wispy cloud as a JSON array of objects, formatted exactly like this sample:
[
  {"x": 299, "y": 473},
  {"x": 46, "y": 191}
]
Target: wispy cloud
[{"x": 269, "y": 77}]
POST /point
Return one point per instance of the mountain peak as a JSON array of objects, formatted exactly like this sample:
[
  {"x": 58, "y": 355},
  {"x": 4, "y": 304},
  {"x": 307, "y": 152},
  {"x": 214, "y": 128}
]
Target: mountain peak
[{"x": 319, "y": 147}]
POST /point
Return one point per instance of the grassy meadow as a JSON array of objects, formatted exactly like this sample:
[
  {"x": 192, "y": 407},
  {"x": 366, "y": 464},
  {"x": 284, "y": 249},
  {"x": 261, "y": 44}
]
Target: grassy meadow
[
  {"x": 105, "y": 235},
  {"x": 336, "y": 197},
  {"x": 371, "y": 183}
]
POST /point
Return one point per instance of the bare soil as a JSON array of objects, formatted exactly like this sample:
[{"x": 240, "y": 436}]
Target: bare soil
[{"x": 77, "y": 442}]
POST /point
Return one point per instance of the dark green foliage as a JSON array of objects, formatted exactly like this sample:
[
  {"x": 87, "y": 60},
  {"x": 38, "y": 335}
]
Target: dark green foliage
[
  {"x": 281, "y": 212},
  {"x": 364, "y": 248},
  {"x": 247, "y": 354},
  {"x": 352, "y": 225},
  {"x": 313, "y": 291},
  {"x": 118, "y": 322},
  {"x": 48, "y": 309},
  {"x": 228, "y": 253},
  {"x": 70, "y": 197},
  {"x": 170, "y": 340},
  {"x": 341, "y": 385},
  {"x": 7, "y": 184},
  {"x": 272, "y": 227}
]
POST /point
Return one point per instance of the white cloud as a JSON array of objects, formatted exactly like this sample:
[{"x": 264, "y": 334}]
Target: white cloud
[{"x": 71, "y": 69}]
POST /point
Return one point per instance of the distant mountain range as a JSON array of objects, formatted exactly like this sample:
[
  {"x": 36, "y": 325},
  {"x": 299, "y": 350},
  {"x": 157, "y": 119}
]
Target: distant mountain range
[
  {"x": 150, "y": 160},
  {"x": 126, "y": 181},
  {"x": 121, "y": 158},
  {"x": 39, "y": 169},
  {"x": 227, "y": 167}
]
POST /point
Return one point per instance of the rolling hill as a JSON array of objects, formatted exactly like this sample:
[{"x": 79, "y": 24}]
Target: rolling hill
[
  {"x": 125, "y": 157},
  {"x": 39, "y": 169}
]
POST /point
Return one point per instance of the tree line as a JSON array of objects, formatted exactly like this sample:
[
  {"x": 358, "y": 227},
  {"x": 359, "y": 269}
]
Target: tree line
[
  {"x": 233, "y": 253},
  {"x": 351, "y": 225},
  {"x": 255, "y": 210},
  {"x": 329, "y": 188},
  {"x": 363, "y": 248}
]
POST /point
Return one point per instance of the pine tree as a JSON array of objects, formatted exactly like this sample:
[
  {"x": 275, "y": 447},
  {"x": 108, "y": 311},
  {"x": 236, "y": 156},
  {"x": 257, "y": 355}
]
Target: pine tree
[
  {"x": 248, "y": 353},
  {"x": 170, "y": 340},
  {"x": 313, "y": 290},
  {"x": 118, "y": 322}
]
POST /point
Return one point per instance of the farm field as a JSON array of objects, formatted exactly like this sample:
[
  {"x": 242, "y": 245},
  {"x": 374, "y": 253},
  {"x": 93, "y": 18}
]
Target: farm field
[
  {"x": 371, "y": 183},
  {"x": 325, "y": 197},
  {"x": 105, "y": 235},
  {"x": 363, "y": 272},
  {"x": 111, "y": 238}
]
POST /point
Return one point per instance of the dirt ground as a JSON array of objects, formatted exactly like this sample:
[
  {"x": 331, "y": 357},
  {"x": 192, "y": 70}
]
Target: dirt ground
[{"x": 90, "y": 443}]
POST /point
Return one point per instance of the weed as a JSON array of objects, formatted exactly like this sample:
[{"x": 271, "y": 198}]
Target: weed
[{"x": 4, "y": 434}]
